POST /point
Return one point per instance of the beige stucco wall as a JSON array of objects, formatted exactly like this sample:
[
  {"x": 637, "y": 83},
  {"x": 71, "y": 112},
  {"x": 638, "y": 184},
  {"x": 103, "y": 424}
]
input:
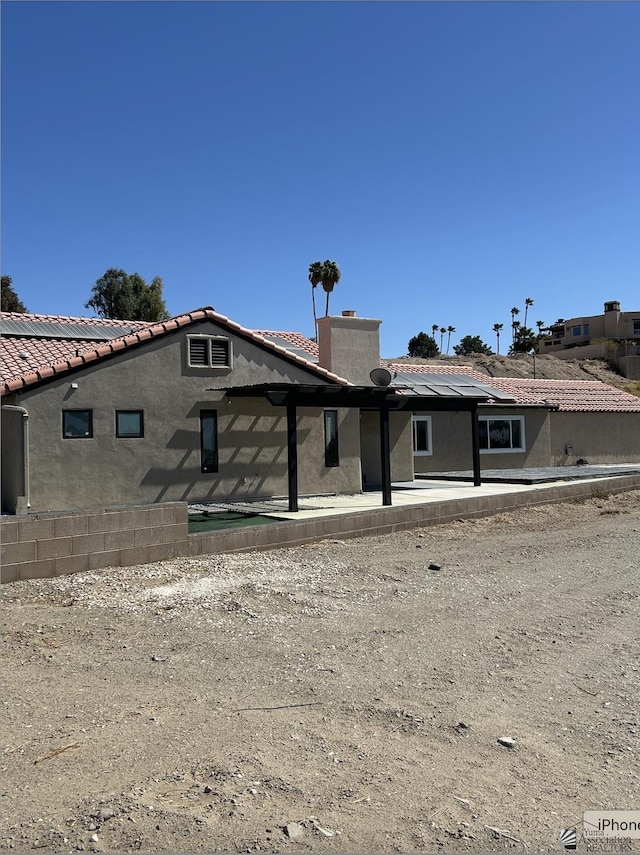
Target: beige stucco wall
[
  {"x": 629, "y": 366},
  {"x": 165, "y": 464},
  {"x": 583, "y": 351},
  {"x": 400, "y": 443},
  {"x": 451, "y": 441},
  {"x": 597, "y": 437},
  {"x": 349, "y": 347}
]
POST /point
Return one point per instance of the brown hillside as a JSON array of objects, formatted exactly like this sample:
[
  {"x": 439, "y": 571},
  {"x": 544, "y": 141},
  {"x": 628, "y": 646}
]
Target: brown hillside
[{"x": 547, "y": 368}]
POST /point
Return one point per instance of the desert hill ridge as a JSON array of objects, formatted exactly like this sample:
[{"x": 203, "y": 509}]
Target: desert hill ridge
[{"x": 547, "y": 367}]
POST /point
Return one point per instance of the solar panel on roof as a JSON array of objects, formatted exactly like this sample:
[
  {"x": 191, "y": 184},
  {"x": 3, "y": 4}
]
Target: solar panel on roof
[
  {"x": 56, "y": 329},
  {"x": 292, "y": 348},
  {"x": 445, "y": 389}
]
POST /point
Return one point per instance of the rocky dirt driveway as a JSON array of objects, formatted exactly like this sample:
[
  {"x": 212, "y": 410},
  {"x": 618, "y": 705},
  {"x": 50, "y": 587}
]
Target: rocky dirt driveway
[{"x": 338, "y": 697}]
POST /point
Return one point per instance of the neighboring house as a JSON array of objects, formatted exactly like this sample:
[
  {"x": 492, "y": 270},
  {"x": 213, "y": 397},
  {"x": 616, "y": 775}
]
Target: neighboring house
[
  {"x": 549, "y": 423},
  {"x": 102, "y": 413},
  {"x": 614, "y": 336}
]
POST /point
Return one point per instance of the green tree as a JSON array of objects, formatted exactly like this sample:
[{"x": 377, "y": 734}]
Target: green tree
[
  {"x": 423, "y": 346},
  {"x": 497, "y": 328},
  {"x": 118, "y": 294},
  {"x": 9, "y": 300},
  {"x": 524, "y": 340},
  {"x": 514, "y": 311},
  {"x": 471, "y": 344}
]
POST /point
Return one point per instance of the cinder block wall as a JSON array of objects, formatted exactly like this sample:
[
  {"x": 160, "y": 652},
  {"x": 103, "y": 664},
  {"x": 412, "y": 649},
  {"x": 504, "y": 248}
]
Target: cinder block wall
[
  {"x": 48, "y": 545},
  {"x": 53, "y": 544}
]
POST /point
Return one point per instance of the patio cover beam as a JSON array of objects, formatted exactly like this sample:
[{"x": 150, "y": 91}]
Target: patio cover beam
[{"x": 372, "y": 398}]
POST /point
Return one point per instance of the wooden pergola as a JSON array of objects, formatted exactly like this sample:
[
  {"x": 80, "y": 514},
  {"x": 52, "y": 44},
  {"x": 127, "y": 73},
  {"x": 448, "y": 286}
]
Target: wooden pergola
[{"x": 381, "y": 399}]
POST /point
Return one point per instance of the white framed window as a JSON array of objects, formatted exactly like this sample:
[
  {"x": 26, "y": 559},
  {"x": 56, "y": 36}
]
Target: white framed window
[
  {"x": 209, "y": 351},
  {"x": 421, "y": 427},
  {"x": 500, "y": 434}
]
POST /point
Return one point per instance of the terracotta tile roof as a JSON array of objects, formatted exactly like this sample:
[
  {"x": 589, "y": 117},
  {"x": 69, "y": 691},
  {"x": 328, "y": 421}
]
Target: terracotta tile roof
[
  {"x": 590, "y": 396},
  {"x": 49, "y": 357},
  {"x": 298, "y": 340},
  {"x": 428, "y": 368},
  {"x": 564, "y": 395}
]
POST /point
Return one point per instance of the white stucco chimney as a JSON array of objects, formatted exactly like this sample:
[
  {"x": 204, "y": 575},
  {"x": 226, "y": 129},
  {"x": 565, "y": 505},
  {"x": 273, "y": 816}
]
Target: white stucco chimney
[{"x": 349, "y": 346}]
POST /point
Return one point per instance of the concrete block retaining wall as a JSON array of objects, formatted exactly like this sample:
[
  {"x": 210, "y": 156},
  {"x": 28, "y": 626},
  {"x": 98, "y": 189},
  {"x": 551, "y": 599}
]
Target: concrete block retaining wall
[{"x": 55, "y": 544}]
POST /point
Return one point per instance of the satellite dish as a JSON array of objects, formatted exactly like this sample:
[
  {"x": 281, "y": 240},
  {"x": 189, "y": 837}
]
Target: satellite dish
[{"x": 381, "y": 377}]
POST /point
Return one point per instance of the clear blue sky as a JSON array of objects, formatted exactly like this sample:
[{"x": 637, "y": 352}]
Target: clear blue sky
[{"x": 453, "y": 158}]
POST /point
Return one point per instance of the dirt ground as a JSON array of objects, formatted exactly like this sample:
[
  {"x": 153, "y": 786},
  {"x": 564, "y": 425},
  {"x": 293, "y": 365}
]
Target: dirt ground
[{"x": 338, "y": 697}]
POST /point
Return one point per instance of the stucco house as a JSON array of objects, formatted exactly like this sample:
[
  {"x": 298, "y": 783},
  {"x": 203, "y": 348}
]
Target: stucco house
[
  {"x": 99, "y": 413},
  {"x": 614, "y": 336}
]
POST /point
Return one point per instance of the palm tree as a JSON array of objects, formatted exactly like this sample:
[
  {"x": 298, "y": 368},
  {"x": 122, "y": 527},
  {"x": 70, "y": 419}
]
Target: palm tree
[
  {"x": 449, "y": 330},
  {"x": 315, "y": 277},
  {"x": 442, "y": 332},
  {"x": 497, "y": 328},
  {"x": 434, "y": 329},
  {"x": 330, "y": 278},
  {"x": 540, "y": 324},
  {"x": 515, "y": 311},
  {"x": 527, "y": 302}
]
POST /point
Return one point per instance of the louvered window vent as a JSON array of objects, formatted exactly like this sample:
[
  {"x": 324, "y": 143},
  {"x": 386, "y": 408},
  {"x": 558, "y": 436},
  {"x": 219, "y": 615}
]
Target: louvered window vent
[{"x": 209, "y": 352}]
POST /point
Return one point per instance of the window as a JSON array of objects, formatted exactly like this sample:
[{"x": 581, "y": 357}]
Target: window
[
  {"x": 331, "y": 456},
  {"x": 421, "y": 426},
  {"x": 77, "y": 424},
  {"x": 585, "y": 329},
  {"x": 208, "y": 351},
  {"x": 208, "y": 441},
  {"x": 636, "y": 326},
  {"x": 576, "y": 330},
  {"x": 129, "y": 423},
  {"x": 501, "y": 434}
]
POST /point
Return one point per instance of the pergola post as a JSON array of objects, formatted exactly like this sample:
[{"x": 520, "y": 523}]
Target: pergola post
[
  {"x": 475, "y": 446},
  {"x": 292, "y": 456},
  {"x": 385, "y": 455}
]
